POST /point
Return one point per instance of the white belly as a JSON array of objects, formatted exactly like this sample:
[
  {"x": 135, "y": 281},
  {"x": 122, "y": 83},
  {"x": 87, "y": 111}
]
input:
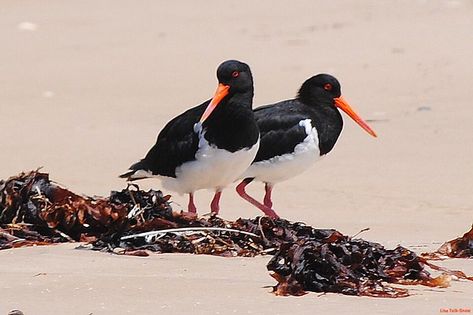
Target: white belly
[
  {"x": 283, "y": 167},
  {"x": 213, "y": 168}
]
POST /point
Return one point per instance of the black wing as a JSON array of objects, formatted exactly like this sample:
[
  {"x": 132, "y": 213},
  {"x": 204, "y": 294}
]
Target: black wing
[
  {"x": 280, "y": 131},
  {"x": 177, "y": 143}
]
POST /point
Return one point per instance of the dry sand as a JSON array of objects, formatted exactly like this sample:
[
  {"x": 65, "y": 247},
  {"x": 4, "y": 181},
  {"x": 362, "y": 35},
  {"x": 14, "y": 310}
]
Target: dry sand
[{"x": 86, "y": 85}]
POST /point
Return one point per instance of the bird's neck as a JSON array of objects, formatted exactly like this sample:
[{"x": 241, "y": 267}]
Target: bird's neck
[
  {"x": 329, "y": 124},
  {"x": 237, "y": 107},
  {"x": 232, "y": 125},
  {"x": 242, "y": 99}
]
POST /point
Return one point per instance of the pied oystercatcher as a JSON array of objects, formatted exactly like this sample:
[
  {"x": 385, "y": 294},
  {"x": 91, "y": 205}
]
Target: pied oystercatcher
[
  {"x": 208, "y": 146},
  {"x": 296, "y": 133}
]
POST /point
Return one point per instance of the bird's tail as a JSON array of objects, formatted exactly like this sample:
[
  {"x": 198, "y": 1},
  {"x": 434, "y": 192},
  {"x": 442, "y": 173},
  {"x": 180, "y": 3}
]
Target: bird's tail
[{"x": 136, "y": 171}]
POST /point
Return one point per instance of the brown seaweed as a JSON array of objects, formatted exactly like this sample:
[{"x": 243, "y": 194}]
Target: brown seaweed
[
  {"x": 461, "y": 247},
  {"x": 347, "y": 266},
  {"x": 37, "y": 211}
]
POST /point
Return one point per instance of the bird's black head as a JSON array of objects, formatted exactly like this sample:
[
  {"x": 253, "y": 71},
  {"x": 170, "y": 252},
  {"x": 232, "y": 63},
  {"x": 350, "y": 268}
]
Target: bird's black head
[
  {"x": 323, "y": 90},
  {"x": 234, "y": 81},
  {"x": 237, "y": 75},
  {"x": 320, "y": 88}
]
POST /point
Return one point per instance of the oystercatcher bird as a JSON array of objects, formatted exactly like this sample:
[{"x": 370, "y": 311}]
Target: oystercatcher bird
[
  {"x": 208, "y": 146},
  {"x": 296, "y": 133}
]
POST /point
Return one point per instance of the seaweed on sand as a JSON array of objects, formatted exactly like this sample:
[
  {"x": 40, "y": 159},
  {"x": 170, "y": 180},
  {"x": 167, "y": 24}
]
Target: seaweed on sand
[{"x": 36, "y": 211}]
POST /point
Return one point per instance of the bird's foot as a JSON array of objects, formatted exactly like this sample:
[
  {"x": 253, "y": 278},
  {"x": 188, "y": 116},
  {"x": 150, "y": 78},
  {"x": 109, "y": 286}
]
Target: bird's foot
[
  {"x": 191, "y": 206},
  {"x": 267, "y": 196},
  {"x": 186, "y": 215},
  {"x": 215, "y": 204},
  {"x": 270, "y": 212},
  {"x": 241, "y": 191}
]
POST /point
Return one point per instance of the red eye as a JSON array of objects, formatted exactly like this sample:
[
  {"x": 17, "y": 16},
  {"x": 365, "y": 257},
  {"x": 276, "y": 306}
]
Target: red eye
[
  {"x": 235, "y": 74},
  {"x": 327, "y": 87}
]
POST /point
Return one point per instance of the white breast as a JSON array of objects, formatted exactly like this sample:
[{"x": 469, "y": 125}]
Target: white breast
[
  {"x": 213, "y": 167},
  {"x": 283, "y": 167}
]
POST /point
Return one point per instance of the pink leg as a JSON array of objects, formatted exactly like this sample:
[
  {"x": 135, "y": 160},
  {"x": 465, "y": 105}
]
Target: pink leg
[
  {"x": 191, "y": 207},
  {"x": 267, "y": 196},
  {"x": 215, "y": 206},
  {"x": 241, "y": 191}
]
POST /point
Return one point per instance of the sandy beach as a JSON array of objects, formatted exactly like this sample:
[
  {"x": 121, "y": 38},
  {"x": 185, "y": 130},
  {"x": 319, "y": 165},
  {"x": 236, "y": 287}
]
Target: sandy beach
[{"x": 85, "y": 86}]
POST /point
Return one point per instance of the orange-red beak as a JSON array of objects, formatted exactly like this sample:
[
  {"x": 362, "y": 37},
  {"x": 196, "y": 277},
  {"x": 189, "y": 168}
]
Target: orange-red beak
[
  {"x": 222, "y": 91},
  {"x": 343, "y": 105}
]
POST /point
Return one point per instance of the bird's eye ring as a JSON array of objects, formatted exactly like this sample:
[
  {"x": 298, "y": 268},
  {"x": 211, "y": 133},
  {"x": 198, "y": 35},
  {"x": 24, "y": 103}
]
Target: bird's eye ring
[
  {"x": 235, "y": 74},
  {"x": 327, "y": 87}
]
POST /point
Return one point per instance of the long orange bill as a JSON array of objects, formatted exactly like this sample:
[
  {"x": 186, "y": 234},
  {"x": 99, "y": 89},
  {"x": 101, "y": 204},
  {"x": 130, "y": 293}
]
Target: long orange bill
[
  {"x": 343, "y": 105},
  {"x": 222, "y": 91}
]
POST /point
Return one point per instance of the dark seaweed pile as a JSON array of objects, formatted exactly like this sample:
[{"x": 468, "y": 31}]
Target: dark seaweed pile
[
  {"x": 347, "y": 266},
  {"x": 36, "y": 211},
  {"x": 461, "y": 247}
]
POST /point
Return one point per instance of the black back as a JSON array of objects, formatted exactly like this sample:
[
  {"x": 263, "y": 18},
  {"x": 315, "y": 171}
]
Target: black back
[
  {"x": 279, "y": 126},
  {"x": 176, "y": 144}
]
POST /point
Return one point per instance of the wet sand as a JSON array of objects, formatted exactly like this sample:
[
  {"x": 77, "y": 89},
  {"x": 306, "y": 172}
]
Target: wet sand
[{"x": 86, "y": 86}]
